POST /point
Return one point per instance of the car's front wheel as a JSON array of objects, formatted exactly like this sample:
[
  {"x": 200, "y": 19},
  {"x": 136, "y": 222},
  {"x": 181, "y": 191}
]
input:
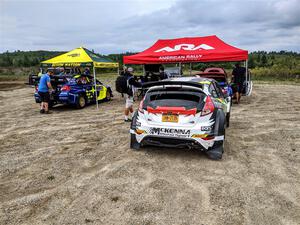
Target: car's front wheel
[
  {"x": 227, "y": 119},
  {"x": 108, "y": 95},
  {"x": 133, "y": 142}
]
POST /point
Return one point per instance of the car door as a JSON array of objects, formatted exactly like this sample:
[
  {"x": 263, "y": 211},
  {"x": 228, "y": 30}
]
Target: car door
[
  {"x": 217, "y": 96},
  {"x": 101, "y": 90},
  {"x": 89, "y": 90},
  {"x": 226, "y": 102}
]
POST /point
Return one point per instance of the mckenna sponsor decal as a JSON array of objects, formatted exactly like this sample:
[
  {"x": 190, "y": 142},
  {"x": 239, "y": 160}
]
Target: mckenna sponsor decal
[
  {"x": 181, "y": 58},
  {"x": 170, "y": 132},
  {"x": 187, "y": 47}
]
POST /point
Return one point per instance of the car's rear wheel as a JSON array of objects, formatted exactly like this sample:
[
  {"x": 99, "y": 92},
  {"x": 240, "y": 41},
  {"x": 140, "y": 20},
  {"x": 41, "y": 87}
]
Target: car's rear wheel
[
  {"x": 133, "y": 143},
  {"x": 81, "y": 102},
  {"x": 216, "y": 152}
]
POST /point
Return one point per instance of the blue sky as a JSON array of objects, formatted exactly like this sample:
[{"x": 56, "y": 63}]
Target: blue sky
[{"x": 132, "y": 25}]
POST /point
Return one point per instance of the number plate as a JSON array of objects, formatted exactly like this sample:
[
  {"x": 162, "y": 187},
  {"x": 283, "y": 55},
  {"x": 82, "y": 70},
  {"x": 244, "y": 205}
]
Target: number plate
[{"x": 170, "y": 118}]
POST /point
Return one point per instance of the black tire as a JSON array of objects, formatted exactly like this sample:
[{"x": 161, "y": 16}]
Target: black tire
[
  {"x": 50, "y": 105},
  {"x": 108, "y": 95},
  {"x": 217, "y": 151},
  {"x": 134, "y": 145},
  {"x": 81, "y": 102},
  {"x": 227, "y": 119}
]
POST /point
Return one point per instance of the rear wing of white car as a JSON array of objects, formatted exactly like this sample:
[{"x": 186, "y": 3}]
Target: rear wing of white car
[{"x": 169, "y": 83}]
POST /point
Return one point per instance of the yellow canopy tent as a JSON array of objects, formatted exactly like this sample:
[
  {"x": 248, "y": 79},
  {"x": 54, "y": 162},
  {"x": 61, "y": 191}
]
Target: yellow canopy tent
[{"x": 81, "y": 57}]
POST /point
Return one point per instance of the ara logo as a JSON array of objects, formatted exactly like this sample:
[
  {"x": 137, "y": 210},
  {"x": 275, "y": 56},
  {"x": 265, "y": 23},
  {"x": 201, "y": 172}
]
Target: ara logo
[{"x": 187, "y": 47}]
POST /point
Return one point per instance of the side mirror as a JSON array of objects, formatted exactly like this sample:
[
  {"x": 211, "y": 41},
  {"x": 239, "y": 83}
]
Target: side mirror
[
  {"x": 228, "y": 99},
  {"x": 214, "y": 93}
]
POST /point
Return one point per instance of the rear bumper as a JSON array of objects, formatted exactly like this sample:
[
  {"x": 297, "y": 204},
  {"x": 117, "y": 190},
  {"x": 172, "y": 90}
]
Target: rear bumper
[
  {"x": 176, "y": 142},
  {"x": 67, "y": 98},
  {"x": 172, "y": 142}
]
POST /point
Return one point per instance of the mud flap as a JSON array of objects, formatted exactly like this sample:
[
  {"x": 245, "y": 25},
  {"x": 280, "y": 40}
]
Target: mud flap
[
  {"x": 133, "y": 142},
  {"x": 217, "y": 150}
]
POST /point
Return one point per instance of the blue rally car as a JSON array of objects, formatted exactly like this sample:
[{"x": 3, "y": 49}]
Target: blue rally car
[{"x": 76, "y": 90}]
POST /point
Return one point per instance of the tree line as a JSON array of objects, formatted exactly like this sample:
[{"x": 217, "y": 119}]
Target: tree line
[
  {"x": 256, "y": 59},
  {"x": 274, "y": 64}
]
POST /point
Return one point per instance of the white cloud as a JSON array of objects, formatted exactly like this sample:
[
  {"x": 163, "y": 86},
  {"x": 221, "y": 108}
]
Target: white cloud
[{"x": 133, "y": 25}]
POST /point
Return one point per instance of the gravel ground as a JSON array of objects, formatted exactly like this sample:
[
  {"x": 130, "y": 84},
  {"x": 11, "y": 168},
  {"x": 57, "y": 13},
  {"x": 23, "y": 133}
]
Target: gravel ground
[{"x": 76, "y": 167}]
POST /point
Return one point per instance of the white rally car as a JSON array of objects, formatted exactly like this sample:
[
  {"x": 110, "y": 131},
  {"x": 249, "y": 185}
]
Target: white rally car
[{"x": 183, "y": 112}]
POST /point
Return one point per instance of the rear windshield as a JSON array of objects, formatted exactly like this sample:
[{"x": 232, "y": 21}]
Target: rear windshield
[{"x": 174, "y": 99}]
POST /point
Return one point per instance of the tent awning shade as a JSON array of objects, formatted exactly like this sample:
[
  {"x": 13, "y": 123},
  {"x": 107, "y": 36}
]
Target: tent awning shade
[
  {"x": 190, "y": 49},
  {"x": 80, "y": 57}
]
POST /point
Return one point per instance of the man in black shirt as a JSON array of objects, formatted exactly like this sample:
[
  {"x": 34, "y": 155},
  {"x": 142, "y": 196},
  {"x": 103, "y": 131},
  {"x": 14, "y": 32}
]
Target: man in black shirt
[{"x": 238, "y": 74}]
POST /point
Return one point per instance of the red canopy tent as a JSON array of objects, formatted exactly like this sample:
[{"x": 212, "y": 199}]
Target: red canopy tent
[
  {"x": 189, "y": 50},
  {"x": 186, "y": 50}
]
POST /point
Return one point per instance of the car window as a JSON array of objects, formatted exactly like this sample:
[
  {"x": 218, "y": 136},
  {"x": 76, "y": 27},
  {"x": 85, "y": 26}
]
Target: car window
[
  {"x": 212, "y": 90},
  {"x": 219, "y": 90},
  {"x": 189, "y": 100}
]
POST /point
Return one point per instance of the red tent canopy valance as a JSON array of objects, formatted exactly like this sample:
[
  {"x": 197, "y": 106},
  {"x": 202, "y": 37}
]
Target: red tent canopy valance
[{"x": 193, "y": 49}]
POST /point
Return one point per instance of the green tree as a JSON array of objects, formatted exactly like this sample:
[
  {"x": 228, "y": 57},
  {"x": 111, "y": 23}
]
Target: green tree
[
  {"x": 251, "y": 63},
  {"x": 26, "y": 61},
  {"x": 264, "y": 60}
]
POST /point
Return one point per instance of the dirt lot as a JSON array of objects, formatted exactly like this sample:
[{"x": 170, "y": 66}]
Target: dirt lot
[{"x": 75, "y": 167}]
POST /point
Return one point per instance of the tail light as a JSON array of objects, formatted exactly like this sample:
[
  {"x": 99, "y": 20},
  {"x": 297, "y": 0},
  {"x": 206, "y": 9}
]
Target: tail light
[
  {"x": 208, "y": 107},
  {"x": 66, "y": 88}
]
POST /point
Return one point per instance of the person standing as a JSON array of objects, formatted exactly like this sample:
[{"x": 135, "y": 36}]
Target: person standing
[
  {"x": 132, "y": 84},
  {"x": 43, "y": 90},
  {"x": 238, "y": 74}
]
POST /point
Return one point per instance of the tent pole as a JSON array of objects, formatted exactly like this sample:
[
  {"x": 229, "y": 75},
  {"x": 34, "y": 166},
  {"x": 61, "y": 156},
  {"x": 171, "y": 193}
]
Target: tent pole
[
  {"x": 94, "y": 71},
  {"x": 246, "y": 65},
  {"x": 180, "y": 68}
]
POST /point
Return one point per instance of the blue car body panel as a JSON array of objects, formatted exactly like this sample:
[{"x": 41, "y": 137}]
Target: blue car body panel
[
  {"x": 226, "y": 87},
  {"x": 71, "y": 96}
]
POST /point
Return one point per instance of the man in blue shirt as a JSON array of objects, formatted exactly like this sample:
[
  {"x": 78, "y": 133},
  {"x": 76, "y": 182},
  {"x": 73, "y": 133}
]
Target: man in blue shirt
[{"x": 43, "y": 90}]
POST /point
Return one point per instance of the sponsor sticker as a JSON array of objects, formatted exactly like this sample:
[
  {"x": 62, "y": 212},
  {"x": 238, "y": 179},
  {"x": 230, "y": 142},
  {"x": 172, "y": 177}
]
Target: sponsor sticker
[
  {"x": 204, "y": 128},
  {"x": 171, "y": 132}
]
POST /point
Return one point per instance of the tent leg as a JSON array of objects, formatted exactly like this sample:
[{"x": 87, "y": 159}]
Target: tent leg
[
  {"x": 94, "y": 71},
  {"x": 246, "y": 66},
  {"x": 180, "y": 68}
]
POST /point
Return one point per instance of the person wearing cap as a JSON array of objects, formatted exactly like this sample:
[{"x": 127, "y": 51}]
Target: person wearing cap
[
  {"x": 43, "y": 90},
  {"x": 132, "y": 84}
]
